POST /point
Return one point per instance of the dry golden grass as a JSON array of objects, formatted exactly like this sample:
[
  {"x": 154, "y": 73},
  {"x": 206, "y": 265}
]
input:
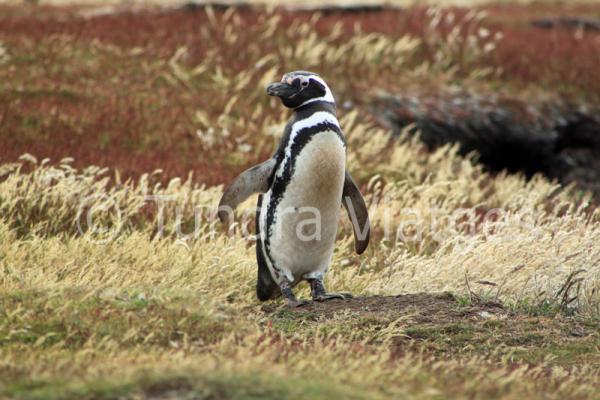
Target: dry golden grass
[
  {"x": 429, "y": 230},
  {"x": 92, "y": 315}
]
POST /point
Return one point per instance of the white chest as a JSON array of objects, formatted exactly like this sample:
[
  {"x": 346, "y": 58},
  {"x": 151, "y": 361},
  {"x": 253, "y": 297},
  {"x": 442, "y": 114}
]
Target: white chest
[
  {"x": 319, "y": 171},
  {"x": 306, "y": 218}
]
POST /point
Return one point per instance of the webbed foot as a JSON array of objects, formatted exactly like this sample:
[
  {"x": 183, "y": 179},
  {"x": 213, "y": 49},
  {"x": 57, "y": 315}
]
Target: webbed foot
[
  {"x": 331, "y": 296},
  {"x": 290, "y": 297},
  {"x": 296, "y": 303},
  {"x": 318, "y": 292}
]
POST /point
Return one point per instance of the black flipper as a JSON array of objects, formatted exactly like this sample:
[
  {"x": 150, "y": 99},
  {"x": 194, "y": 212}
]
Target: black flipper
[
  {"x": 266, "y": 287},
  {"x": 358, "y": 213}
]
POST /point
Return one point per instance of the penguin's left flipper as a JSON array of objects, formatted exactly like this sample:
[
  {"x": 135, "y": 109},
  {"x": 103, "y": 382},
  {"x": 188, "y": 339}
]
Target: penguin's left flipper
[
  {"x": 254, "y": 180},
  {"x": 355, "y": 205}
]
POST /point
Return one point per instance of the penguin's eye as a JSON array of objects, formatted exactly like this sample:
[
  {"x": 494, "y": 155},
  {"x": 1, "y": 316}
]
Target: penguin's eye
[{"x": 304, "y": 83}]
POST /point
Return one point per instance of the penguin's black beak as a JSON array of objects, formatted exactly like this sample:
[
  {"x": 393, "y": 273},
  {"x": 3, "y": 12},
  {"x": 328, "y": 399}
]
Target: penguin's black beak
[{"x": 281, "y": 89}]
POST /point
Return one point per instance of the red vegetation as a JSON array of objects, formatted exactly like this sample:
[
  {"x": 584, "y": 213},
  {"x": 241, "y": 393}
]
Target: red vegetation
[{"x": 116, "y": 115}]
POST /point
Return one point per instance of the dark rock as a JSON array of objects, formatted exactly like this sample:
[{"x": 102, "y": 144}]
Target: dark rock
[
  {"x": 559, "y": 140},
  {"x": 587, "y": 24}
]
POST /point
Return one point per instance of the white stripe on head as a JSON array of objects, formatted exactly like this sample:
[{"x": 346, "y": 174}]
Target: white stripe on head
[
  {"x": 304, "y": 77},
  {"x": 328, "y": 97}
]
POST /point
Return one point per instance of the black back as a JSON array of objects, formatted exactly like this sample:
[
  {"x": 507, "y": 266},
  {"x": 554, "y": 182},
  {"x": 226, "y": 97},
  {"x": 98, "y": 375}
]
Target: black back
[{"x": 266, "y": 287}]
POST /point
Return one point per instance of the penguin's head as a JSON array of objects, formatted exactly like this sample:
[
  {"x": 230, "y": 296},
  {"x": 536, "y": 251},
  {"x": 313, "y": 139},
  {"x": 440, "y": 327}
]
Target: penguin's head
[{"x": 299, "y": 88}]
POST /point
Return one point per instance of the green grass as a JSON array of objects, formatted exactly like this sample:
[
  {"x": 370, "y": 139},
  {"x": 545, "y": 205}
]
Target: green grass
[
  {"x": 72, "y": 319},
  {"x": 191, "y": 386}
]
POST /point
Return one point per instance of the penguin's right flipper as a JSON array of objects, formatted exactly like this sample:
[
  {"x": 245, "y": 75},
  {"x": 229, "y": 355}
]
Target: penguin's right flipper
[
  {"x": 355, "y": 205},
  {"x": 254, "y": 180}
]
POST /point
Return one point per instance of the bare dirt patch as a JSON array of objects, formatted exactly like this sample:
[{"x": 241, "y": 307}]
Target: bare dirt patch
[
  {"x": 421, "y": 307},
  {"x": 442, "y": 325}
]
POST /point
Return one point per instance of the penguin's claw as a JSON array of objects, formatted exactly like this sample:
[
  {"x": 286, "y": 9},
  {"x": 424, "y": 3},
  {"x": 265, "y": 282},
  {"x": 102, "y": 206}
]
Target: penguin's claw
[{"x": 331, "y": 296}]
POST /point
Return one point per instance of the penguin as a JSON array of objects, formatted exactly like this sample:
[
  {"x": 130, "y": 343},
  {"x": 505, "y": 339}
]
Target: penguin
[{"x": 301, "y": 188}]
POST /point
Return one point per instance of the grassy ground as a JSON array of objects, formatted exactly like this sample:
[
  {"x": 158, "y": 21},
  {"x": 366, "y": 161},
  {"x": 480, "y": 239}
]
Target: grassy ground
[
  {"x": 472, "y": 308},
  {"x": 81, "y": 345}
]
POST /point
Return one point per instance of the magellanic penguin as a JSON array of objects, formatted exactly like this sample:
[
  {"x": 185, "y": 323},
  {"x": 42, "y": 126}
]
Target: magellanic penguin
[{"x": 302, "y": 187}]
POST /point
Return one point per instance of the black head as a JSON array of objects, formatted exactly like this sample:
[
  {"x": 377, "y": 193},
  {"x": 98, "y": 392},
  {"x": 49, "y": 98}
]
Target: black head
[{"x": 300, "y": 87}]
